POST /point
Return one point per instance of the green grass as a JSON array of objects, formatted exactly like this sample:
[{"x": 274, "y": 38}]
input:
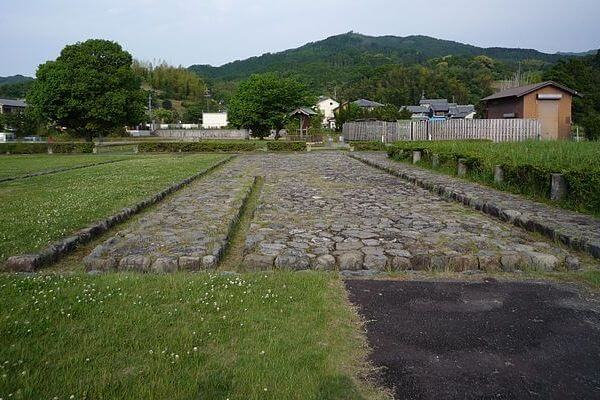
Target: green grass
[
  {"x": 556, "y": 155},
  {"x": 527, "y": 166},
  {"x": 16, "y": 165},
  {"x": 36, "y": 211},
  {"x": 182, "y": 336}
]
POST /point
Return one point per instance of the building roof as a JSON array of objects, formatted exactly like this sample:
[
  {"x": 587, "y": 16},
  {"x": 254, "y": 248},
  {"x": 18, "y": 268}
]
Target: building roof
[
  {"x": 440, "y": 106},
  {"x": 432, "y": 101},
  {"x": 13, "y": 103},
  {"x": 461, "y": 111},
  {"x": 304, "y": 111},
  {"x": 524, "y": 90},
  {"x": 367, "y": 103},
  {"x": 417, "y": 109}
]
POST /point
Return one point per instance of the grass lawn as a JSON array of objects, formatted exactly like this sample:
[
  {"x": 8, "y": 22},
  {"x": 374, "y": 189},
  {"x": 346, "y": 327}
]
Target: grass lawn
[
  {"x": 36, "y": 211},
  {"x": 182, "y": 336},
  {"x": 26, "y": 164}
]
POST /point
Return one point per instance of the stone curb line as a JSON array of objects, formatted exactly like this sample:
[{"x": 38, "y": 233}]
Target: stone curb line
[
  {"x": 33, "y": 262},
  {"x": 54, "y": 171},
  {"x": 494, "y": 210}
]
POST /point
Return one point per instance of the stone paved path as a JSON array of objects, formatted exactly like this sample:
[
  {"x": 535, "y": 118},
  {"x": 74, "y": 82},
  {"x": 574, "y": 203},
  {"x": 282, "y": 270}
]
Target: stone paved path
[
  {"x": 323, "y": 210},
  {"x": 577, "y": 230},
  {"x": 188, "y": 231},
  {"x": 329, "y": 211}
]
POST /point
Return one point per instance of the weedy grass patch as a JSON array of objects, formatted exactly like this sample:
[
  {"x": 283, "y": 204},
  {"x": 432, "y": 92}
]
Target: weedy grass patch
[
  {"x": 181, "y": 336},
  {"x": 38, "y": 210},
  {"x": 17, "y": 165},
  {"x": 527, "y": 166}
]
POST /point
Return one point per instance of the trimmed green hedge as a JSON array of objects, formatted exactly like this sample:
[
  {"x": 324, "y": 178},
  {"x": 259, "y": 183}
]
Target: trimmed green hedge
[
  {"x": 40, "y": 148},
  {"x": 286, "y": 146},
  {"x": 220, "y": 146},
  {"x": 23, "y": 148},
  {"x": 527, "y": 166},
  {"x": 369, "y": 146},
  {"x": 195, "y": 147},
  {"x": 63, "y": 148}
]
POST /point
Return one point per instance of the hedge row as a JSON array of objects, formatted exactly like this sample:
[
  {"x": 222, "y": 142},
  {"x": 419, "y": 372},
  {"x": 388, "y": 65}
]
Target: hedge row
[
  {"x": 286, "y": 146},
  {"x": 521, "y": 177},
  {"x": 369, "y": 146},
  {"x": 221, "y": 146},
  {"x": 40, "y": 148}
]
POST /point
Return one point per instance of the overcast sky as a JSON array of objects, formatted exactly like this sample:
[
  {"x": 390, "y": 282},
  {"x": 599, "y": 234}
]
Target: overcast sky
[{"x": 185, "y": 32}]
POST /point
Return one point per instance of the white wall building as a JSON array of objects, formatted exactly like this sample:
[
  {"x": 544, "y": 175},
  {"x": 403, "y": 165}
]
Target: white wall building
[
  {"x": 327, "y": 107},
  {"x": 214, "y": 120}
]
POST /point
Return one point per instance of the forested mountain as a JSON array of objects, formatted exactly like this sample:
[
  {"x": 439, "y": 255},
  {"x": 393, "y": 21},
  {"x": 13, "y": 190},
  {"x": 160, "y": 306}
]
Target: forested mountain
[
  {"x": 349, "y": 50},
  {"x": 14, "y": 87},
  {"x": 9, "y": 80},
  {"x": 354, "y": 65}
]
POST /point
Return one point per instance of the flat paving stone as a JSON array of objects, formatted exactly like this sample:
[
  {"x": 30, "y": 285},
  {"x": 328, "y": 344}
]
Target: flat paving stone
[
  {"x": 467, "y": 340},
  {"x": 187, "y": 231},
  {"x": 316, "y": 204},
  {"x": 579, "y": 231}
]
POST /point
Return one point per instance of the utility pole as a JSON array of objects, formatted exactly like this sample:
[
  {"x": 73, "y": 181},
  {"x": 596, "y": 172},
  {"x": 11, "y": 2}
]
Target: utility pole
[{"x": 150, "y": 110}]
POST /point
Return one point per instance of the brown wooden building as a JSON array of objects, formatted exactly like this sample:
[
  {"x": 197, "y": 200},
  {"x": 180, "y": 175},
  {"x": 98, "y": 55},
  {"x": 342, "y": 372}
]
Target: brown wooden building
[{"x": 548, "y": 102}]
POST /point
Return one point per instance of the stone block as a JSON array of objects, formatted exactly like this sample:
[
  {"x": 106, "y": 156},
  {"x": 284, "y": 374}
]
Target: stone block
[
  {"x": 292, "y": 259},
  {"x": 258, "y": 262},
  {"x": 350, "y": 261},
  {"x": 416, "y": 157},
  {"x": 461, "y": 167},
  {"x": 435, "y": 160},
  {"x": 558, "y": 190},
  {"x": 188, "y": 263},
  {"x": 498, "y": 174},
  {"x": 164, "y": 265},
  {"x": 209, "y": 262},
  {"x": 376, "y": 262},
  {"x": 400, "y": 263},
  {"x": 325, "y": 262},
  {"x": 135, "y": 263}
]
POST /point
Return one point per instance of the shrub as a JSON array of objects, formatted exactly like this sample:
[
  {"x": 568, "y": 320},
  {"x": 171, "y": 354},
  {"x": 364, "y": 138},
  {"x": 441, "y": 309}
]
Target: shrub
[
  {"x": 591, "y": 125},
  {"x": 62, "y": 148},
  {"x": 286, "y": 146},
  {"x": 369, "y": 146},
  {"x": 196, "y": 147},
  {"x": 23, "y": 148}
]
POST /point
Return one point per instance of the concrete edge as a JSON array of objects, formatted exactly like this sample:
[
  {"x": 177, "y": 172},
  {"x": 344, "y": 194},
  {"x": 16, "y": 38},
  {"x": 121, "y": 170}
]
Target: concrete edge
[
  {"x": 494, "y": 210},
  {"x": 53, "y": 252}
]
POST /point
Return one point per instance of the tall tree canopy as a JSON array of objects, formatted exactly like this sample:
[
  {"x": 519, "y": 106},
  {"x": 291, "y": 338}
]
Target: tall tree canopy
[
  {"x": 263, "y": 102},
  {"x": 583, "y": 75},
  {"x": 171, "y": 82},
  {"x": 90, "y": 88}
]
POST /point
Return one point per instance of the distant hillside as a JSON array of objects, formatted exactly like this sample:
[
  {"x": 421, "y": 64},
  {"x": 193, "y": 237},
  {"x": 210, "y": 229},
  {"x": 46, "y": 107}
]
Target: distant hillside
[
  {"x": 10, "y": 80},
  {"x": 335, "y": 55}
]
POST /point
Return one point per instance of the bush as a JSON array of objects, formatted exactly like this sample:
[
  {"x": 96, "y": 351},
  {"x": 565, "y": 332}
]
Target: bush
[
  {"x": 196, "y": 147},
  {"x": 286, "y": 146},
  {"x": 63, "y": 148},
  {"x": 369, "y": 146},
  {"x": 591, "y": 125},
  {"x": 23, "y": 148}
]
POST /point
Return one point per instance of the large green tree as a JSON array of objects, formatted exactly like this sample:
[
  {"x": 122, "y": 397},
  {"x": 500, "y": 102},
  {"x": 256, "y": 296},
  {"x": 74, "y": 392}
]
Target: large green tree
[
  {"x": 90, "y": 88},
  {"x": 263, "y": 102}
]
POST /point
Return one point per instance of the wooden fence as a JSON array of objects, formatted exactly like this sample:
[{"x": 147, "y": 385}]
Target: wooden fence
[{"x": 497, "y": 130}]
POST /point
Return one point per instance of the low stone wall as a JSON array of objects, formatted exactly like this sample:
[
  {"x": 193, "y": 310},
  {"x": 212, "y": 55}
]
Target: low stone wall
[{"x": 199, "y": 134}]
